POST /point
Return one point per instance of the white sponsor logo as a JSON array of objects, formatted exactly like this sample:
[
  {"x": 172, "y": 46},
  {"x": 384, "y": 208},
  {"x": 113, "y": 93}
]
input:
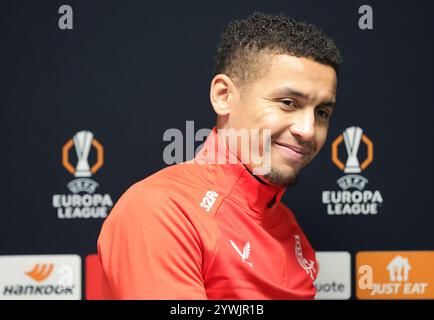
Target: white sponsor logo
[
  {"x": 208, "y": 200},
  {"x": 40, "y": 277},
  {"x": 334, "y": 275},
  {"x": 245, "y": 254},
  {"x": 399, "y": 269}
]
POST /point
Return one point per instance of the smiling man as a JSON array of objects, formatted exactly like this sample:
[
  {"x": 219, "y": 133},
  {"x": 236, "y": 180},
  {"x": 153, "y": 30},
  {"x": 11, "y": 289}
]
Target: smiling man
[{"x": 209, "y": 229}]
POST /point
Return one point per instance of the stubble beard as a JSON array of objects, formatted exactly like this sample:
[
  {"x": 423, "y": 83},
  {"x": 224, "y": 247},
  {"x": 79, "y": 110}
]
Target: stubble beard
[{"x": 282, "y": 178}]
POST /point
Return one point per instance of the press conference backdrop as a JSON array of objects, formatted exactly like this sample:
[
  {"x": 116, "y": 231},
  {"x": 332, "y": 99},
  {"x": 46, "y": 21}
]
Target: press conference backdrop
[{"x": 88, "y": 91}]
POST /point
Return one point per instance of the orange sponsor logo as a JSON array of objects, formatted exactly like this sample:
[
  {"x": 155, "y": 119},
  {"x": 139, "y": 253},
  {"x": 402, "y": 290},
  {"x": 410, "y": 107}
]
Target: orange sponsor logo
[
  {"x": 40, "y": 272},
  {"x": 395, "y": 275}
]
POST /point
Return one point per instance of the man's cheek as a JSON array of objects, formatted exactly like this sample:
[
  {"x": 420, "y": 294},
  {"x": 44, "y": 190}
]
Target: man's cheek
[
  {"x": 319, "y": 146},
  {"x": 320, "y": 141}
]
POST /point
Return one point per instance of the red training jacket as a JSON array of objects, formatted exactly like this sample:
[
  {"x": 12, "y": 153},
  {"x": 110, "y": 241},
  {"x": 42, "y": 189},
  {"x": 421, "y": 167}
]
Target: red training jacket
[{"x": 199, "y": 230}]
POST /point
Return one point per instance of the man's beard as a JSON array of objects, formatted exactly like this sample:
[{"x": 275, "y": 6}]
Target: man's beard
[{"x": 282, "y": 178}]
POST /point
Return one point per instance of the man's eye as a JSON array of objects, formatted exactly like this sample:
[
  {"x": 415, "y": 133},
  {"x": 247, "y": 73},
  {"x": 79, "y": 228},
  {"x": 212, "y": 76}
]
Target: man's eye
[
  {"x": 323, "y": 114},
  {"x": 289, "y": 103}
]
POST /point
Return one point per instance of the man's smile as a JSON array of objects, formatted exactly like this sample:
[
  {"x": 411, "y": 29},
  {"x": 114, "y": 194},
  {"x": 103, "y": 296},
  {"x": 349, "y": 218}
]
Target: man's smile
[{"x": 293, "y": 153}]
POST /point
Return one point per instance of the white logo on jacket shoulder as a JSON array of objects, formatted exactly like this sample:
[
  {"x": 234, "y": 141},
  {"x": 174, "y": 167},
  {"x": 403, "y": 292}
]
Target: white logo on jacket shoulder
[
  {"x": 245, "y": 254},
  {"x": 208, "y": 200}
]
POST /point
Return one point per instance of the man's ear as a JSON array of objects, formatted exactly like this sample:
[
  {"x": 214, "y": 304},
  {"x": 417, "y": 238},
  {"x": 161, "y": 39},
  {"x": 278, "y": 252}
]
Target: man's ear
[{"x": 222, "y": 94}]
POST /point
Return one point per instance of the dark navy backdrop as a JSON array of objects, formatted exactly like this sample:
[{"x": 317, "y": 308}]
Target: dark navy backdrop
[{"x": 129, "y": 70}]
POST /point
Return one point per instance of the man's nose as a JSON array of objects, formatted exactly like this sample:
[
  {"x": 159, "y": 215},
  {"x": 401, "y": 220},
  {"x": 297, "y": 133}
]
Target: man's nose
[{"x": 303, "y": 127}]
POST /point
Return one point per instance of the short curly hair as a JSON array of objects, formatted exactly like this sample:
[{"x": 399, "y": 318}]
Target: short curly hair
[{"x": 242, "y": 42}]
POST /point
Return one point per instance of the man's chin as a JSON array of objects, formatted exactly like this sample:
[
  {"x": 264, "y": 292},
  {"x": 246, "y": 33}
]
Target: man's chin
[{"x": 282, "y": 177}]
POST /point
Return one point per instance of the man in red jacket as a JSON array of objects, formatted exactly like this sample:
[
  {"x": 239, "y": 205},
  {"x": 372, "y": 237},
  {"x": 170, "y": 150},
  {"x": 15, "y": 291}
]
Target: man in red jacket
[{"x": 210, "y": 229}]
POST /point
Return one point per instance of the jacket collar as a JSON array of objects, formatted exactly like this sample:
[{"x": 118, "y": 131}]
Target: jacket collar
[{"x": 243, "y": 186}]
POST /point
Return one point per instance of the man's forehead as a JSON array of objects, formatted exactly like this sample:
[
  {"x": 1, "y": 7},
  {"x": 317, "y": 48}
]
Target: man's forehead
[
  {"x": 300, "y": 76},
  {"x": 289, "y": 65}
]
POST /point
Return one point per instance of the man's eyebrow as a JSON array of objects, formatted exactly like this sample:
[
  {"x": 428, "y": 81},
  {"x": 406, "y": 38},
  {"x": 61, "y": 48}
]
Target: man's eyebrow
[
  {"x": 329, "y": 104},
  {"x": 288, "y": 91}
]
